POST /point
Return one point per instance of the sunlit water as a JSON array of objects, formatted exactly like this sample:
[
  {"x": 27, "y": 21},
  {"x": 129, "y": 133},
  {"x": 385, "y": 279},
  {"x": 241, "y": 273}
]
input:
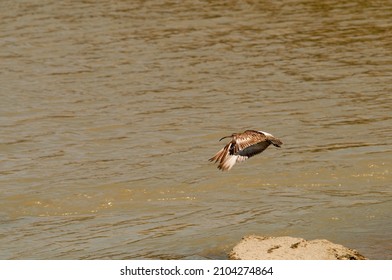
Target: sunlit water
[{"x": 110, "y": 110}]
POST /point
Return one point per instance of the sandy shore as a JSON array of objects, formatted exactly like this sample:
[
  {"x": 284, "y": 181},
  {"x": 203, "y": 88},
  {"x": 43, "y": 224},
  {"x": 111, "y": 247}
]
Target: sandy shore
[{"x": 290, "y": 248}]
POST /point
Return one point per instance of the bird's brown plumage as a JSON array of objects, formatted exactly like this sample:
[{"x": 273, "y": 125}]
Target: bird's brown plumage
[{"x": 243, "y": 146}]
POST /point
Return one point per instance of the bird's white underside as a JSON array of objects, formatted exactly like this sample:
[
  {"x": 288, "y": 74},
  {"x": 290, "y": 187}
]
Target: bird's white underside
[{"x": 232, "y": 160}]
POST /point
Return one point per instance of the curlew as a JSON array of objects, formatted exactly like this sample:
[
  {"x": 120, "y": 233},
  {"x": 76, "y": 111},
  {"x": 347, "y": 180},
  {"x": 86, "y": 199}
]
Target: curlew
[{"x": 243, "y": 146}]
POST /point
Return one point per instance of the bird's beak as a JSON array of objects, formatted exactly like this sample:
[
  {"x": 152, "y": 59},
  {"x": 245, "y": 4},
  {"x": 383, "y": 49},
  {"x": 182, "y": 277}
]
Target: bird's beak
[{"x": 224, "y": 138}]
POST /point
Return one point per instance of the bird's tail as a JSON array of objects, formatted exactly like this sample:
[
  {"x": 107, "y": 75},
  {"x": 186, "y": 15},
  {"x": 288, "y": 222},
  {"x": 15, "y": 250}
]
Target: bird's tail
[{"x": 275, "y": 141}]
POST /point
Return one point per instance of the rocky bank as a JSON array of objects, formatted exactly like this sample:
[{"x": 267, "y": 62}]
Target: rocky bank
[{"x": 290, "y": 248}]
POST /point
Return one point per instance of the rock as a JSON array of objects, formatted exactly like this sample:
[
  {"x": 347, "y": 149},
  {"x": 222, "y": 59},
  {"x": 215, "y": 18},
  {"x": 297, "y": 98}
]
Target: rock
[{"x": 290, "y": 248}]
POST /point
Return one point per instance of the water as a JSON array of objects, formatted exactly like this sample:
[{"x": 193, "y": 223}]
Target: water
[{"x": 110, "y": 109}]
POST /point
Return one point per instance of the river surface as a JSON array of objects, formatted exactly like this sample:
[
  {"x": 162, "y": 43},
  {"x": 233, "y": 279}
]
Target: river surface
[{"x": 110, "y": 110}]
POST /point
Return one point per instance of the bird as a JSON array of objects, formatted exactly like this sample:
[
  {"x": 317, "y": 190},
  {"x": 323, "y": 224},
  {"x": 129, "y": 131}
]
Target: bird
[{"x": 243, "y": 146}]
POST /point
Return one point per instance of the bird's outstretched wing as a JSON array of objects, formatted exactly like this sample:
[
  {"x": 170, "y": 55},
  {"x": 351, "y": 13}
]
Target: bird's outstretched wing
[
  {"x": 254, "y": 149},
  {"x": 248, "y": 139}
]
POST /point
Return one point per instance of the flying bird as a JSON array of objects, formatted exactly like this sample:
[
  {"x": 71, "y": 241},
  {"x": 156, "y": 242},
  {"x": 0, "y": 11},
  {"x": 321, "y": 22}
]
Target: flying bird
[{"x": 243, "y": 146}]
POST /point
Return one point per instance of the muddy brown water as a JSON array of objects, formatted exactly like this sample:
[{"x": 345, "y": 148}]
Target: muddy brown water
[{"x": 110, "y": 109}]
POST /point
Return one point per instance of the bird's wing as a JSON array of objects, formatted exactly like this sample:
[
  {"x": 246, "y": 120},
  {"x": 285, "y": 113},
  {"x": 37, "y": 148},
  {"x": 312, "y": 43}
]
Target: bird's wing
[
  {"x": 246, "y": 140},
  {"x": 254, "y": 149},
  {"x": 221, "y": 154}
]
